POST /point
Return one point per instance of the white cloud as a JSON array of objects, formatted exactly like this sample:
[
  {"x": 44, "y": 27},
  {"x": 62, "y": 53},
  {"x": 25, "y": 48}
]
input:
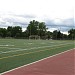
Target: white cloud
[
  {"x": 51, "y": 8},
  {"x": 20, "y": 12}
]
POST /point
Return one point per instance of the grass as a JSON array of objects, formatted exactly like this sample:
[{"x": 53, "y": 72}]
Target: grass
[{"x": 18, "y": 52}]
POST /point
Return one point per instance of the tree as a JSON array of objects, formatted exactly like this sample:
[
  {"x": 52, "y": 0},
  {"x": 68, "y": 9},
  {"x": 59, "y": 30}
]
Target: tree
[
  {"x": 55, "y": 32},
  {"x": 16, "y": 31},
  {"x": 71, "y": 34},
  {"x": 42, "y": 29},
  {"x": 9, "y": 31},
  {"x": 49, "y": 35},
  {"x": 64, "y": 36},
  {"x": 32, "y": 28},
  {"x": 59, "y": 35},
  {"x": 3, "y": 32},
  {"x": 36, "y": 28}
]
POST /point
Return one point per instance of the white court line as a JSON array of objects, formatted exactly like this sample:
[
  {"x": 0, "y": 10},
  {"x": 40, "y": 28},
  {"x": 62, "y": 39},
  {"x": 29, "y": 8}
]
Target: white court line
[
  {"x": 14, "y": 48},
  {"x": 9, "y": 50},
  {"x": 32, "y": 48},
  {"x": 6, "y": 45},
  {"x": 37, "y": 61},
  {"x": 3, "y": 47},
  {"x": 30, "y": 43}
]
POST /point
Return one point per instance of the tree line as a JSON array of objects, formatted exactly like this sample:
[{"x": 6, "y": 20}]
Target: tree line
[{"x": 35, "y": 28}]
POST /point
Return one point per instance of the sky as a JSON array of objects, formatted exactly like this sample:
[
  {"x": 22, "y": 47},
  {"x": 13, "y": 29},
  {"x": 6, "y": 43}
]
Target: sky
[{"x": 57, "y": 14}]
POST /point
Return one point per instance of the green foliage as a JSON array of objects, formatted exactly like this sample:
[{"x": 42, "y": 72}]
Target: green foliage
[
  {"x": 49, "y": 35},
  {"x": 32, "y": 28},
  {"x": 71, "y": 34},
  {"x": 42, "y": 29},
  {"x": 3, "y": 32},
  {"x": 57, "y": 35},
  {"x": 16, "y": 31},
  {"x": 35, "y": 28}
]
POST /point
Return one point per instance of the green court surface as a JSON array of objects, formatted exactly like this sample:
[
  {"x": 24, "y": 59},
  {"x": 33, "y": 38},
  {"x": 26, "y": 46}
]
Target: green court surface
[{"x": 18, "y": 52}]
